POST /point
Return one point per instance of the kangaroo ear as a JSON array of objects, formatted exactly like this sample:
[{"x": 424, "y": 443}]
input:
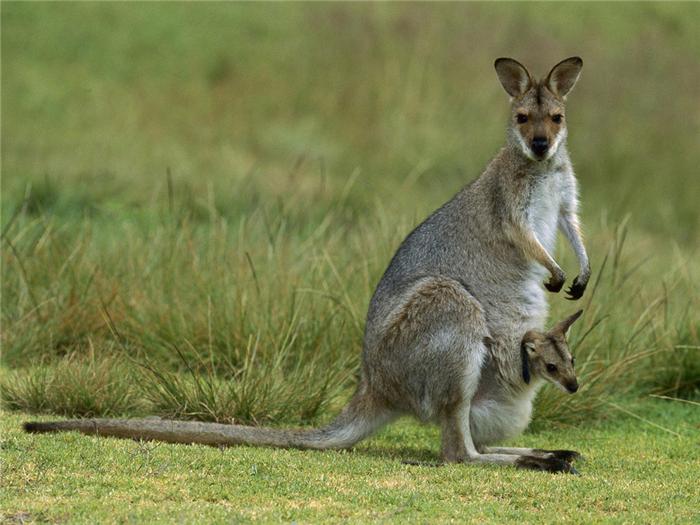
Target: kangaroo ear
[
  {"x": 514, "y": 77},
  {"x": 563, "y": 327},
  {"x": 563, "y": 76}
]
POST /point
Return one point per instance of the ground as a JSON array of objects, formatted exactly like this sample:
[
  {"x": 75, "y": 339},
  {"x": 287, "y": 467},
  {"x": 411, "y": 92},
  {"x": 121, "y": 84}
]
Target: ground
[{"x": 635, "y": 471}]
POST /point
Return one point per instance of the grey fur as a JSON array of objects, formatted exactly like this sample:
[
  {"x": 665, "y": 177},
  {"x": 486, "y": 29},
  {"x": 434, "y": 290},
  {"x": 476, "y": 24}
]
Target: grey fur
[{"x": 357, "y": 420}]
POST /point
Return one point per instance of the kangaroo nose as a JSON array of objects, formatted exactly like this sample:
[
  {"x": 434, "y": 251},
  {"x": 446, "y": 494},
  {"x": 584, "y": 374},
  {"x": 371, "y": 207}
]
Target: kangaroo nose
[
  {"x": 540, "y": 145},
  {"x": 572, "y": 387}
]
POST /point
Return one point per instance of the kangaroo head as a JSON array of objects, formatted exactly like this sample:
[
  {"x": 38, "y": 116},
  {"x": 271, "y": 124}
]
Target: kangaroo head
[
  {"x": 547, "y": 356},
  {"x": 537, "y": 126}
]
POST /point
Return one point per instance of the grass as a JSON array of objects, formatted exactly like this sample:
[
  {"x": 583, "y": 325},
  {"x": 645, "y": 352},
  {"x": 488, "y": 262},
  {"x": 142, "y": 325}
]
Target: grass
[
  {"x": 198, "y": 199},
  {"x": 634, "y": 472}
]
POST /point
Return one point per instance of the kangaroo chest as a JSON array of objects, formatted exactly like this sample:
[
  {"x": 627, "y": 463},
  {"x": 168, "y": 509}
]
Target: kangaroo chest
[{"x": 542, "y": 208}]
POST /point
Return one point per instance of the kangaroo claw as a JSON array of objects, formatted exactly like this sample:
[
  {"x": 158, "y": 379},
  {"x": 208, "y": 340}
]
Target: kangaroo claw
[
  {"x": 576, "y": 290},
  {"x": 554, "y": 285}
]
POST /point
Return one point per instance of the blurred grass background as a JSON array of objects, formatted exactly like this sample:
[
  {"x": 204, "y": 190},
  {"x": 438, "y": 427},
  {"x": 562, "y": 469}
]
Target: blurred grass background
[{"x": 198, "y": 198}]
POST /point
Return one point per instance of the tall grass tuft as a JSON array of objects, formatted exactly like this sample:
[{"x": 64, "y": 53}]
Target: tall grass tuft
[
  {"x": 200, "y": 324},
  {"x": 630, "y": 338},
  {"x": 83, "y": 386}
]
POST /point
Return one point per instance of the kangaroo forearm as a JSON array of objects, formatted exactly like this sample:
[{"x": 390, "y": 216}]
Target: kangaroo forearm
[
  {"x": 569, "y": 225},
  {"x": 533, "y": 249}
]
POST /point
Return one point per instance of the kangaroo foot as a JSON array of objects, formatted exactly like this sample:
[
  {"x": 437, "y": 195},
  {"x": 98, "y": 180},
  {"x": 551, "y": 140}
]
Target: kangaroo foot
[
  {"x": 546, "y": 464},
  {"x": 565, "y": 455}
]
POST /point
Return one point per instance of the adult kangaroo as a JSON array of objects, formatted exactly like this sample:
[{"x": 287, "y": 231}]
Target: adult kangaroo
[{"x": 454, "y": 329}]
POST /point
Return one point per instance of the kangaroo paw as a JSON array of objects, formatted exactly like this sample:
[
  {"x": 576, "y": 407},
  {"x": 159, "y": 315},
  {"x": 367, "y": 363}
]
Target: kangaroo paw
[
  {"x": 576, "y": 290},
  {"x": 555, "y": 283}
]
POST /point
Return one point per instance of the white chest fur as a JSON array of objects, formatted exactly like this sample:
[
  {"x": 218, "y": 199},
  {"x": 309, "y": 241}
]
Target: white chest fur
[{"x": 543, "y": 208}]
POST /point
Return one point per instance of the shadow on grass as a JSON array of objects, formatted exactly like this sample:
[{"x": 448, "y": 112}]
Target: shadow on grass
[{"x": 404, "y": 454}]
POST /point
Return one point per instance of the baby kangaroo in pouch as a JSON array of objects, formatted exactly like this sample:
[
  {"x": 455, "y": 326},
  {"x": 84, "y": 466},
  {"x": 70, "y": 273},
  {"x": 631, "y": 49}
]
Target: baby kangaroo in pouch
[
  {"x": 502, "y": 405},
  {"x": 455, "y": 328}
]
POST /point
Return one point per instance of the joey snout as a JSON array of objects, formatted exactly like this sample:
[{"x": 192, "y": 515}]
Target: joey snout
[{"x": 571, "y": 386}]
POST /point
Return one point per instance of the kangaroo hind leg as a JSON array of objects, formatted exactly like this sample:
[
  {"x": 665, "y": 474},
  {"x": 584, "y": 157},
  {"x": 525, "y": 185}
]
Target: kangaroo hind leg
[
  {"x": 458, "y": 422},
  {"x": 430, "y": 348}
]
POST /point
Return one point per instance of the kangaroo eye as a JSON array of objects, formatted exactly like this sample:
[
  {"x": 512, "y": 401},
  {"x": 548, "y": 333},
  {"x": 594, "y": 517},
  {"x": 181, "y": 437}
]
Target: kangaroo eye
[
  {"x": 551, "y": 368},
  {"x": 522, "y": 119},
  {"x": 557, "y": 118}
]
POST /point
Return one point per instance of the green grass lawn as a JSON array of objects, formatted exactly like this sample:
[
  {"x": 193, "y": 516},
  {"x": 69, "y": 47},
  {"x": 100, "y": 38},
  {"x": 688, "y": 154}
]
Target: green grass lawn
[{"x": 634, "y": 472}]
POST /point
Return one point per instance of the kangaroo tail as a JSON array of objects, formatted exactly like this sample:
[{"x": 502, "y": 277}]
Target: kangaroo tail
[{"x": 360, "y": 418}]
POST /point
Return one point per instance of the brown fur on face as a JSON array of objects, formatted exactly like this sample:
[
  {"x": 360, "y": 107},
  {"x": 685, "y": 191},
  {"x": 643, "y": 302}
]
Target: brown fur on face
[
  {"x": 547, "y": 355},
  {"x": 538, "y": 124},
  {"x": 541, "y": 109}
]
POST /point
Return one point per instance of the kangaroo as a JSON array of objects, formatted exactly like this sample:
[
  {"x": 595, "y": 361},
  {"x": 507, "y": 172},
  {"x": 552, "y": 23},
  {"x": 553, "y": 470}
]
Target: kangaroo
[
  {"x": 455, "y": 300},
  {"x": 500, "y": 409}
]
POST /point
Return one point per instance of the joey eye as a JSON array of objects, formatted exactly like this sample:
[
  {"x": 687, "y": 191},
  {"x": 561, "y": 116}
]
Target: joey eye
[
  {"x": 521, "y": 118},
  {"x": 551, "y": 368},
  {"x": 557, "y": 118}
]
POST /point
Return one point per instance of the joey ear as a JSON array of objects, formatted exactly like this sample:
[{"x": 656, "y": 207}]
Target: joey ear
[
  {"x": 562, "y": 327},
  {"x": 563, "y": 76},
  {"x": 527, "y": 343},
  {"x": 514, "y": 77},
  {"x": 530, "y": 347}
]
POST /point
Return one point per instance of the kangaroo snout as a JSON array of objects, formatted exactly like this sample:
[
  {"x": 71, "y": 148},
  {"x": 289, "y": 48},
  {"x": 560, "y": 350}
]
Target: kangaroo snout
[
  {"x": 539, "y": 146},
  {"x": 572, "y": 387}
]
